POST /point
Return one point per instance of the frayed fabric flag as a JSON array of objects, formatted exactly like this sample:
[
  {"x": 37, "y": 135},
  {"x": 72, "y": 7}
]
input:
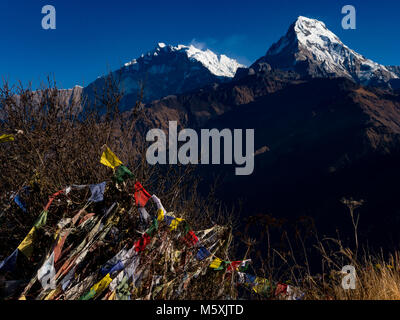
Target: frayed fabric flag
[
  {"x": 161, "y": 215},
  {"x": 158, "y": 203},
  {"x": 118, "y": 267},
  {"x": 203, "y": 253},
  {"x": 60, "y": 244},
  {"x": 65, "y": 283},
  {"x": 26, "y": 246},
  {"x": 20, "y": 203},
  {"x": 112, "y": 262},
  {"x": 294, "y": 293},
  {"x": 152, "y": 228},
  {"x": 98, "y": 288},
  {"x": 6, "y": 138},
  {"x": 122, "y": 173},
  {"x": 109, "y": 159},
  {"x": 142, "y": 243},
  {"x": 281, "y": 288},
  {"x": 141, "y": 195},
  {"x": 97, "y": 191},
  {"x": 190, "y": 239},
  {"x": 175, "y": 223},
  {"x": 217, "y": 264},
  {"x": 239, "y": 265},
  {"x": 168, "y": 220},
  {"x": 144, "y": 215},
  {"x": 47, "y": 273},
  {"x": 8, "y": 264}
]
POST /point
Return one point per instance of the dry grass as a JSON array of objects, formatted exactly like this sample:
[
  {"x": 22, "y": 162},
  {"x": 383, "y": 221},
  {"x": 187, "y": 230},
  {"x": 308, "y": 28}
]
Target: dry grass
[{"x": 60, "y": 144}]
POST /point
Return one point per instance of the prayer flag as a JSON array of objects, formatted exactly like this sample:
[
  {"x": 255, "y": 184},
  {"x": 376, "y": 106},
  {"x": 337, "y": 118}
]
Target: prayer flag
[
  {"x": 141, "y": 195},
  {"x": 97, "y": 191},
  {"x": 6, "y": 138},
  {"x": 109, "y": 159},
  {"x": 47, "y": 273},
  {"x": 8, "y": 264},
  {"x": 202, "y": 254},
  {"x": 122, "y": 173}
]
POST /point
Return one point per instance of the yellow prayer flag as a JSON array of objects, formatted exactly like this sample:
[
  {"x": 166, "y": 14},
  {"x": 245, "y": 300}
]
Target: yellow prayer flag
[
  {"x": 109, "y": 159},
  {"x": 26, "y": 245},
  {"x": 160, "y": 215},
  {"x": 6, "y": 138},
  {"x": 100, "y": 286},
  {"x": 175, "y": 223},
  {"x": 216, "y": 263},
  {"x": 261, "y": 285},
  {"x": 22, "y": 298}
]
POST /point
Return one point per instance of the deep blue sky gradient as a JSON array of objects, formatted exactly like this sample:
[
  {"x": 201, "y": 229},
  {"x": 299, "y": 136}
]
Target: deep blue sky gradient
[{"x": 93, "y": 37}]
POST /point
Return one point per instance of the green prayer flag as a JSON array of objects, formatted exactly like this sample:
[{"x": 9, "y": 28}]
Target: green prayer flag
[
  {"x": 90, "y": 295},
  {"x": 153, "y": 227},
  {"x": 41, "y": 221},
  {"x": 122, "y": 173}
]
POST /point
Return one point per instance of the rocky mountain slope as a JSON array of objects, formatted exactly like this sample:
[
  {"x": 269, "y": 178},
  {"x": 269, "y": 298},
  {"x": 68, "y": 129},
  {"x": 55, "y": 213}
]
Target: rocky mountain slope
[{"x": 311, "y": 49}]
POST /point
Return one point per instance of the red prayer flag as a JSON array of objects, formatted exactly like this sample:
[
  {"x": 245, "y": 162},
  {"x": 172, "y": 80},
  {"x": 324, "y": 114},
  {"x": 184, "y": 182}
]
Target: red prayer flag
[
  {"x": 142, "y": 243},
  {"x": 280, "y": 288},
  {"x": 190, "y": 239},
  {"x": 141, "y": 195},
  {"x": 234, "y": 265}
]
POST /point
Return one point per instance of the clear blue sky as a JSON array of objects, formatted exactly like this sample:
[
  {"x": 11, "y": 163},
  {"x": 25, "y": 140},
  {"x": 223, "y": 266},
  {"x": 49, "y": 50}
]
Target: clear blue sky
[{"x": 95, "y": 36}]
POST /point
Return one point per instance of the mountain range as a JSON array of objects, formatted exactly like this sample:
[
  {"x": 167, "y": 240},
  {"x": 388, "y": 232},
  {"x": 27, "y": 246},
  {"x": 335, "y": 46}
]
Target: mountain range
[
  {"x": 327, "y": 126},
  {"x": 326, "y": 120},
  {"x": 309, "y": 49}
]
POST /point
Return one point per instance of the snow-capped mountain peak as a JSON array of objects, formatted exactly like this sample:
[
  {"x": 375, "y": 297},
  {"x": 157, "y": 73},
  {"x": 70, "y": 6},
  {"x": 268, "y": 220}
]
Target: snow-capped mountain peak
[
  {"x": 168, "y": 70},
  {"x": 218, "y": 65},
  {"x": 310, "y": 48}
]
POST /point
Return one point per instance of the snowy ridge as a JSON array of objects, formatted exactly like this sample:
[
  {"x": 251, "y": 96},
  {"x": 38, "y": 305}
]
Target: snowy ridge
[
  {"x": 218, "y": 65},
  {"x": 169, "y": 70}
]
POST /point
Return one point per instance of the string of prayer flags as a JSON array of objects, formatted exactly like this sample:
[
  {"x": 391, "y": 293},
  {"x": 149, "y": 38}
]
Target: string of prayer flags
[
  {"x": 52, "y": 198},
  {"x": 122, "y": 174},
  {"x": 97, "y": 191},
  {"x": 8, "y": 264},
  {"x": 241, "y": 266},
  {"x": 6, "y": 138},
  {"x": 109, "y": 159},
  {"x": 217, "y": 264},
  {"x": 141, "y": 195}
]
